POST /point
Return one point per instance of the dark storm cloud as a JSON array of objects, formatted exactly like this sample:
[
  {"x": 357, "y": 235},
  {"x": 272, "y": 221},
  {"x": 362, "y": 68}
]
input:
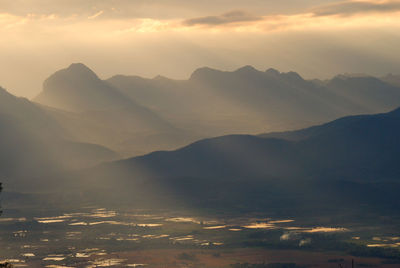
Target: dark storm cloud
[
  {"x": 348, "y": 8},
  {"x": 227, "y": 18}
]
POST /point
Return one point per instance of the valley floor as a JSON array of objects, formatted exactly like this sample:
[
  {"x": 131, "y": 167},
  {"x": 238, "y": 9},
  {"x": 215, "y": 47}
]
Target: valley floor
[
  {"x": 173, "y": 258},
  {"x": 99, "y": 237}
]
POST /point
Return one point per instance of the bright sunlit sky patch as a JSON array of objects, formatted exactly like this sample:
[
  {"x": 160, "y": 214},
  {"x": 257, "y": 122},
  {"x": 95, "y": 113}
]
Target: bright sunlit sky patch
[{"x": 317, "y": 38}]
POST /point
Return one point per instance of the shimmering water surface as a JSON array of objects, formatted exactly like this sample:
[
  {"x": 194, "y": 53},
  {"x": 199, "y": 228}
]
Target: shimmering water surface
[{"x": 94, "y": 237}]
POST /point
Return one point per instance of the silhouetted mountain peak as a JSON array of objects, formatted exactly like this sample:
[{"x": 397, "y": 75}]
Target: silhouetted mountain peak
[
  {"x": 77, "y": 74},
  {"x": 78, "y": 88},
  {"x": 292, "y": 76},
  {"x": 248, "y": 69},
  {"x": 207, "y": 73},
  {"x": 80, "y": 69},
  {"x": 161, "y": 78},
  {"x": 347, "y": 77},
  {"x": 273, "y": 72},
  {"x": 356, "y": 80},
  {"x": 356, "y": 75},
  {"x": 203, "y": 72},
  {"x": 339, "y": 77}
]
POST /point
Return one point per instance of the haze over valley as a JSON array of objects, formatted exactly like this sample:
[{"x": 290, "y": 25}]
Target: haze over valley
[
  {"x": 241, "y": 142},
  {"x": 199, "y": 134},
  {"x": 79, "y": 121},
  {"x": 143, "y": 115}
]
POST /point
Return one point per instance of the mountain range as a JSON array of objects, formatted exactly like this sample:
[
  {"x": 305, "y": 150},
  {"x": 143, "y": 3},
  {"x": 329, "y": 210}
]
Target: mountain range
[
  {"x": 133, "y": 115},
  {"x": 79, "y": 121},
  {"x": 216, "y": 102},
  {"x": 354, "y": 158}
]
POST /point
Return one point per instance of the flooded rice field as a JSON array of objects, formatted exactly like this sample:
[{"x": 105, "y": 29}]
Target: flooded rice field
[{"x": 101, "y": 237}]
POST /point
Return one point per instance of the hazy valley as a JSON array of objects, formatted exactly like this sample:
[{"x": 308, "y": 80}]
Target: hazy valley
[{"x": 201, "y": 168}]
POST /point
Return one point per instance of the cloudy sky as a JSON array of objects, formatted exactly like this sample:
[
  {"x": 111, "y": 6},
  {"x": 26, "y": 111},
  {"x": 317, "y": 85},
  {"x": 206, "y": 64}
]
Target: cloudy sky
[{"x": 317, "y": 38}]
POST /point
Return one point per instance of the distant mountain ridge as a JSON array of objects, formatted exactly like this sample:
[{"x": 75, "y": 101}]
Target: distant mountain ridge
[
  {"x": 144, "y": 115},
  {"x": 312, "y": 165},
  {"x": 249, "y": 101},
  {"x": 78, "y": 88},
  {"x": 349, "y": 137},
  {"x": 102, "y": 114},
  {"x": 366, "y": 92},
  {"x": 78, "y": 116}
]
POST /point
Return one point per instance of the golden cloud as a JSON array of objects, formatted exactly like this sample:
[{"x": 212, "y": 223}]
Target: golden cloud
[
  {"x": 354, "y": 7},
  {"x": 327, "y": 17}
]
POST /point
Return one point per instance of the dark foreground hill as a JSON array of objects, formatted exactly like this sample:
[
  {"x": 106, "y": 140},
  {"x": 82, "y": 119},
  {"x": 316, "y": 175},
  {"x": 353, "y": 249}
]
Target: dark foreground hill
[{"x": 350, "y": 162}]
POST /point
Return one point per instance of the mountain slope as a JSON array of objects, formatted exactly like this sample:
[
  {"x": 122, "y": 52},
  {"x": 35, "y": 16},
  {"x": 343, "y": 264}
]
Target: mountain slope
[
  {"x": 366, "y": 93},
  {"x": 33, "y": 144},
  {"x": 359, "y": 152},
  {"x": 94, "y": 111},
  {"x": 344, "y": 143},
  {"x": 251, "y": 101},
  {"x": 77, "y": 88},
  {"x": 134, "y": 115}
]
